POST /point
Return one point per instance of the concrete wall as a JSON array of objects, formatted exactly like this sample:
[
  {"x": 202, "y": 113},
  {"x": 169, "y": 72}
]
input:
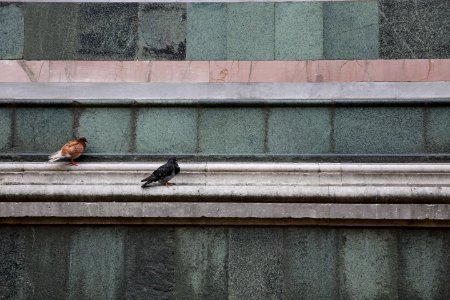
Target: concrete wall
[{"x": 161, "y": 262}]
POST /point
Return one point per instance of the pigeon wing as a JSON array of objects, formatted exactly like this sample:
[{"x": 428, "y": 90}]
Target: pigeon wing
[{"x": 161, "y": 172}]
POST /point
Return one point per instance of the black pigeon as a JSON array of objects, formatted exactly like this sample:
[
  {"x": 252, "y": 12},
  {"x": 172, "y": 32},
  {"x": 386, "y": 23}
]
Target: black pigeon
[{"x": 164, "y": 173}]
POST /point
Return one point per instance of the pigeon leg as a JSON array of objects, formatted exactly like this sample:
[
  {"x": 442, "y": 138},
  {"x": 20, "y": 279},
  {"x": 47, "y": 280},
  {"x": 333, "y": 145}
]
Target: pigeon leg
[
  {"x": 169, "y": 184},
  {"x": 72, "y": 163}
]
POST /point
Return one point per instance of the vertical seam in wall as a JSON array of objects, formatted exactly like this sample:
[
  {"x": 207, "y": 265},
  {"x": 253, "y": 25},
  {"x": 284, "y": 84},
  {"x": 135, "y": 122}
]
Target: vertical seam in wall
[
  {"x": 12, "y": 135},
  {"x": 274, "y": 31},
  {"x": 266, "y": 129},
  {"x": 323, "y": 29},
  {"x": 197, "y": 129},
  {"x": 75, "y": 119},
  {"x": 425, "y": 121},
  {"x": 227, "y": 275},
  {"x": 332, "y": 145},
  {"x": 133, "y": 125}
]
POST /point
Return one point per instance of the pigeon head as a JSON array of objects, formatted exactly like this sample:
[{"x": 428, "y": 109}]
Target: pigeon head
[
  {"x": 172, "y": 160},
  {"x": 82, "y": 139}
]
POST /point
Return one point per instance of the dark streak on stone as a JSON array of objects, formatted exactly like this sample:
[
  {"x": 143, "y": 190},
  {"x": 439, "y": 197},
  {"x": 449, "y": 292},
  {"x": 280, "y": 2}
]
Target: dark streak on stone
[{"x": 266, "y": 129}]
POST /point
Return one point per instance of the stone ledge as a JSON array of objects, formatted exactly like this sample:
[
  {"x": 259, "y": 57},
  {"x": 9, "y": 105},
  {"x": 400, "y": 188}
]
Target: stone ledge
[{"x": 229, "y": 182}]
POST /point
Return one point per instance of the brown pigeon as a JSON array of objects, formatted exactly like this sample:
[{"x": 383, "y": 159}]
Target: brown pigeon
[
  {"x": 72, "y": 149},
  {"x": 164, "y": 173}
]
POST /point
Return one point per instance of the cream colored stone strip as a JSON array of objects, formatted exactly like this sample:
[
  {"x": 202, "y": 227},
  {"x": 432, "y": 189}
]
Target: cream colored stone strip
[{"x": 413, "y": 70}]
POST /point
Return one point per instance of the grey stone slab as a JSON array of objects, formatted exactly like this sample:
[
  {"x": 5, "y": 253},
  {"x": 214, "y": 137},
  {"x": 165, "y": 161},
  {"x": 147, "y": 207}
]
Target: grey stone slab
[
  {"x": 298, "y": 30},
  {"x": 414, "y": 29},
  {"x": 5, "y": 129},
  {"x": 201, "y": 263},
  {"x": 368, "y": 264},
  {"x": 231, "y": 130},
  {"x": 166, "y": 130},
  {"x": 379, "y": 130},
  {"x": 350, "y": 30},
  {"x": 96, "y": 261},
  {"x": 108, "y": 130},
  {"x": 424, "y": 265},
  {"x": 50, "y": 31},
  {"x": 150, "y": 263},
  {"x": 206, "y": 31},
  {"x": 310, "y": 263},
  {"x": 438, "y": 137},
  {"x": 42, "y": 129},
  {"x": 250, "y": 31},
  {"x": 11, "y": 31},
  {"x": 299, "y": 130},
  {"x": 254, "y": 265},
  {"x": 329, "y": 93},
  {"x": 162, "y": 31},
  {"x": 13, "y": 279},
  {"x": 107, "y": 31},
  {"x": 47, "y": 262}
]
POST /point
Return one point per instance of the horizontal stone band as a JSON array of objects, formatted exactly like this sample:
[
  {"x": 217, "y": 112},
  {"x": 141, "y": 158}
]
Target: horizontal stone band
[
  {"x": 230, "y": 182},
  {"x": 416, "y": 70},
  {"x": 230, "y": 91},
  {"x": 224, "y": 213}
]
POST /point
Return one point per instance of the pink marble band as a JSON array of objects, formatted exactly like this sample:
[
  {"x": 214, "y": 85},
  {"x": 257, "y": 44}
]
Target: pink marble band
[{"x": 414, "y": 70}]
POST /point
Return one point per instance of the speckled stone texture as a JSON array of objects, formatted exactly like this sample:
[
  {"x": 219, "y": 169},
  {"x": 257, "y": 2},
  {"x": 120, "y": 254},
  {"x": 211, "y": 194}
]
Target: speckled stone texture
[
  {"x": 42, "y": 129},
  {"x": 51, "y": 31},
  {"x": 350, "y": 30},
  {"x": 162, "y": 31},
  {"x": 107, "y": 31},
  {"x": 210, "y": 44},
  {"x": 414, "y": 29},
  {"x": 11, "y": 31},
  {"x": 231, "y": 262},
  {"x": 298, "y": 30},
  {"x": 150, "y": 264},
  {"x": 5, "y": 129}
]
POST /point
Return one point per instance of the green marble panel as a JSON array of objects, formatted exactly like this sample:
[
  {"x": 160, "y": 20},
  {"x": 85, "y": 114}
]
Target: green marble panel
[
  {"x": 5, "y": 129},
  {"x": 201, "y": 263},
  {"x": 13, "y": 262},
  {"x": 424, "y": 263},
  {"x": 414, "y": 29},
  {"x": 298, "y": 30},
  {"x": 11, "y": 31},
  {"x": 250, "y": 31},
  {"x": 107, "y": 31},
  {"x": 206, "y": 31},
  {"x": 108, "y": 130},
  {"x": 150, "y": 262},
  {"x": 166, "y": 130},
  {"x": 47, "y": 262},
  {"x": 40, "y": 129},
  {"x": 231, "y": 130},
  {"x": 51, "y": 31},
  {"x": 299, "y": 130},
  {"x": 350, "y": 30},
  {"x": 380, "y": 130},
  {"x": 254, "y": 266},
  {"x": 310, "y": 263},
  {"x": 369, "y": 264},
  {"x": 96, "y": 263},
  {"x": 162, "y": 31},
  {"x": 438, "y": 130}
]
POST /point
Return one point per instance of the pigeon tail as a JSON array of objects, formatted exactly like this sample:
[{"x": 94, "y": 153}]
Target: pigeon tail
[{"x": 55, "y": 156}]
